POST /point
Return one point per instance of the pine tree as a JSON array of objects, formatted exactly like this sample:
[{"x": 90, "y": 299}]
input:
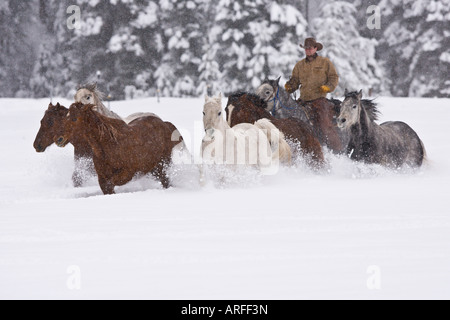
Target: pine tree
[
  {"x": 233, "y": 17},
  {"x": 181, "y": 36},
  {"x": 352, "y": 54},
  {"x": 290, "y": 26},
  {"x": 16, "y": 54},
  {"x": 416, "y": 47},
  {"x": 52, "y": 71}
]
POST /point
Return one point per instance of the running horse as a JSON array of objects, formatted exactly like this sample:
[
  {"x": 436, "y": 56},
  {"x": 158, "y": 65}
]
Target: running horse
[
  {"x": 392, "y": 144},
  {"x": 52, "y": 127},
  {"x": 243, "y": 107},
  {"x": 259, "y": 143},
  {"x": 122, "y": 151},
  {"x": 320, "y": 113}
]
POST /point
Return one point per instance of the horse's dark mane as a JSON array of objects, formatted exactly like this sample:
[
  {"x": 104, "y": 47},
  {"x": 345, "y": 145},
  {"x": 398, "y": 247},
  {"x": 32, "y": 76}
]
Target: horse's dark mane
[
  {"x": 369, "y": 105},
  {"x": 255, "y": 99},
  {"x": 104, "y": 123}
]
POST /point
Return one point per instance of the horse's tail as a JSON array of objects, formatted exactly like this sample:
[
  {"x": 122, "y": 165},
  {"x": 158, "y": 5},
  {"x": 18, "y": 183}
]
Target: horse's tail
[{"x": 280, "y": 148}]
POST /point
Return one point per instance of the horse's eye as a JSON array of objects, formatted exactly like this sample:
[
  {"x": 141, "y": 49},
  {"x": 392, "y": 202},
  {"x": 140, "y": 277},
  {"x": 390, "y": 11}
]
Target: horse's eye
[
  {"x": 220, "y": 113},
  {"x": 204, "y": 113},
  {"x": 50, "y": 122},
  {"x": 74, "y": 119},
  {"x": 267, "y": 92},
  {"x": 354, "y": 107}
]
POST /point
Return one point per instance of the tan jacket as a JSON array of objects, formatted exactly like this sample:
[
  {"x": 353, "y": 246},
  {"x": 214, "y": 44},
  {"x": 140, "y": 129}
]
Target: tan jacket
[{"x": 311, "y": 75}]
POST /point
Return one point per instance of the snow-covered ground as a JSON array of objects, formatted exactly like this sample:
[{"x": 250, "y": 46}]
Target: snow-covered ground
[{"x": 355, "y": 232}]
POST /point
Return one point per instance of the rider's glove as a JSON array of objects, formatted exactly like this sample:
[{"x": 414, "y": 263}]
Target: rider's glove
[{"x": 325, "y": 89}]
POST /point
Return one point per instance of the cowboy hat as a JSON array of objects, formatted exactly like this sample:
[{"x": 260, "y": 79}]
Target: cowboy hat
[{"x": 311, "y": 43}]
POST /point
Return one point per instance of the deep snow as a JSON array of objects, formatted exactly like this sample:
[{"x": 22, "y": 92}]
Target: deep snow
[{"x": 355, "y": 232}]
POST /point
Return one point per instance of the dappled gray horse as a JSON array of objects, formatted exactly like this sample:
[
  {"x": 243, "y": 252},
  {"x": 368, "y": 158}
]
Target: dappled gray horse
[
  {"x": 392, "y": 144},
  {"x": 279, "y": 102}
]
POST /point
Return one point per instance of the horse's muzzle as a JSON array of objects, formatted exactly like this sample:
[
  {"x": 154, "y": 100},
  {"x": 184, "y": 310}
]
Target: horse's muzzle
[
  {"x": 341, "y": 122},
  {"x": 38, "y": 147}
]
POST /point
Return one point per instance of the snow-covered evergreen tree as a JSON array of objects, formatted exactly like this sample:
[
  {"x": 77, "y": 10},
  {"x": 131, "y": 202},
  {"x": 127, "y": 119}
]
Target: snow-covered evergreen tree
[
  {"x": 290, "y": 26},
  {"x": 416, "y": 46},
  {"x": 260, "y": 40},
  {"x": 352, "y": 54},
  {"x": 16, "y": 46},
  {"x": 233, "y": 17},
  {"x": 53, "y": 69},
  {"x": 182, "y": 33}
]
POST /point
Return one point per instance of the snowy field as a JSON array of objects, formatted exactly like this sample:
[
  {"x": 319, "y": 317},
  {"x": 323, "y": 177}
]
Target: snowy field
[{"x": 354, "y": 232}]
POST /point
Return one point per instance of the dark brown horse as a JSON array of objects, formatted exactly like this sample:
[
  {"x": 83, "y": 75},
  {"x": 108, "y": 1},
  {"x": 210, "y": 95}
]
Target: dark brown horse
[
  {"x": 248, "y": 108},
  {"x": 52, "y": 127},
  {"x": 121, "y": 151},
  {"x": 320, "y": 113}
]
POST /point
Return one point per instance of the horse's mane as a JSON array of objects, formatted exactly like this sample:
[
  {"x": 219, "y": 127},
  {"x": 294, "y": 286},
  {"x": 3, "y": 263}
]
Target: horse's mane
[
  {"x": 255, "y": 99},
  {"x": 369, "y": 105},
  {"x": 107, "y": 126}
]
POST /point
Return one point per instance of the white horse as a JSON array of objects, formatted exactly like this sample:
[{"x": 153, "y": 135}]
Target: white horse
[
  {"x": 90, "y": 94},
  {"x": 260, "y": 144}
]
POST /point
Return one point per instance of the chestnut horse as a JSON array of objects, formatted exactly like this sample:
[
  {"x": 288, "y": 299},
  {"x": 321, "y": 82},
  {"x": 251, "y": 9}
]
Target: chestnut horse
[
  {"x": 245, "y": 107},
  {"x": 52, "y": 128},
  {"x": 121, "y": 151},
  {"x": 320, "y": 113}
]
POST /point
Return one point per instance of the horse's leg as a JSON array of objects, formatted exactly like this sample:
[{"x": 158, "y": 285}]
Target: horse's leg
[
  {"x": 324, "y": 124},
  {"x": 160, "y": 172},
  {"x": 106, "y": 185},
  {"x": 78, "y": 176}
]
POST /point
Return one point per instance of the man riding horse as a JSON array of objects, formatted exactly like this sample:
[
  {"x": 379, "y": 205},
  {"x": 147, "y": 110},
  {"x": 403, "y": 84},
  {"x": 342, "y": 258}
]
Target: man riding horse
[{"x": 315, "y": 75}]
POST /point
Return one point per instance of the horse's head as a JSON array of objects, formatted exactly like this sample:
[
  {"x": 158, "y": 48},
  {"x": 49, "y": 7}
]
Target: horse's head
[
  {"x": 74, "y": 123},
  {"x": 350, "y": 109},
  {"x": 212, "y": 113},
  {"x": 268, "y": 91},
  {"x": 88, "y": 94},
  {"x": 245, "y": 108},
  {"x": 52, "y": 125}
]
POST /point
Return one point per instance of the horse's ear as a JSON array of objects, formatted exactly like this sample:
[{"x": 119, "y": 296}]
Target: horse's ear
[
  {"x": 219, "y": 98},
  {"x": 278, "y": 80},
  {"x": 360, "y": 94},
  {"x": 345, "y": 92}
]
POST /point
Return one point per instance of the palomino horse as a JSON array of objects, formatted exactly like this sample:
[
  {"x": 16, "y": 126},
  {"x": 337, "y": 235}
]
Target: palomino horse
[
  {"x": 320, "y": 113},
  {"x": 89, "y": 94},
  {"x": 52, "y": 128},
  {"x": 261, "y": 144},
  {"x": 248, "y": 108},
  {"x": 392, "y": 144},
  {"x": 120, "y": 150}
]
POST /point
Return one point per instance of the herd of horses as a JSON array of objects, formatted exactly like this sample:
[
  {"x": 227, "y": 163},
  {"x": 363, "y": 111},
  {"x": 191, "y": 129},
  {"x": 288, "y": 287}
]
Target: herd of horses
[{"x": 263, "y": 129}]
